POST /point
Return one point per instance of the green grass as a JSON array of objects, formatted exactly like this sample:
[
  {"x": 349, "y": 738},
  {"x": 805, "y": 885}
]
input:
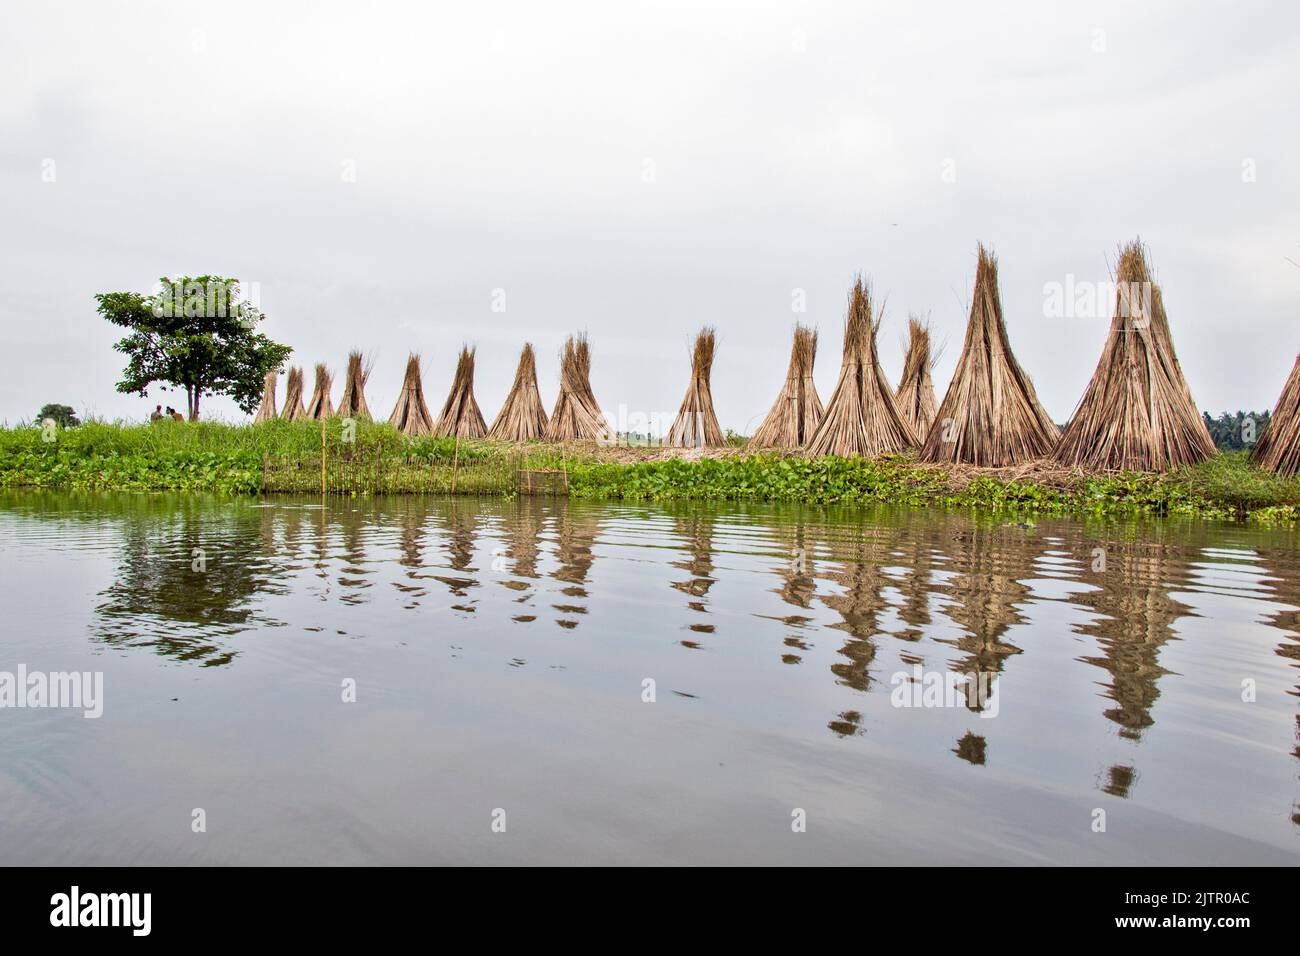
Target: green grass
[
  {"x": 284, "y": 457},
  {"x": 1231, "y": 481},
  {"x": 759, "y": 477},
  {"x": 167, "y": 437},
  {"x": 1228, "y": 486}
]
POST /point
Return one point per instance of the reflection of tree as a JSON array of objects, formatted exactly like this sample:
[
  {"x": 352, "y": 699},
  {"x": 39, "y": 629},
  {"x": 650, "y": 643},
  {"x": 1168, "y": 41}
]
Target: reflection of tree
[
  {"x": 1136, "y": 619},
  {"x": 184, "y": 580},
  {"x": 987, "y": 565}
]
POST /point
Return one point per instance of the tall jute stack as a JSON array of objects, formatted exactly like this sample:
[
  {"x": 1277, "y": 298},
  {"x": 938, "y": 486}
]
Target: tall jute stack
[
  {"x": 320, "y": 406},
  {"x": 411, "y": 415},
  {"x": 798, "y": 410},
  {"x": 1137, "y": 413},
  {"x": 915, "y": 395},
  {"x": 1278, "y": 449},
  {"x": 353, "y": 403},
  {"x": 522, "y": 417},
  {"x": 294, "y": 410},
  {"x": 991, "y": 415},
  {"x": 577, "y": 415},
  {"x": 460, "y": 413},
  {"x": 696, "y": 424},
  {"x": 266, "y": 410},
  {"x": 862, "y": 417}
]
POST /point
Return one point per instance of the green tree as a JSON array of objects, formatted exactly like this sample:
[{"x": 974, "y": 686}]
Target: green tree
[
  {"x": 64, "y": 415},
  {"x": 1230, "y": 432},
  {"x": 197, "y": 334}
]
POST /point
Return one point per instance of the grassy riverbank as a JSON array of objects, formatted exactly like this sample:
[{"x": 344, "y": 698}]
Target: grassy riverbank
[{"x": 282, "y": 457}]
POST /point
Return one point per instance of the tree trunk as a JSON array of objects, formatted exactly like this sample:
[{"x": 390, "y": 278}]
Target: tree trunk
[{"x": 194, "y": 410}]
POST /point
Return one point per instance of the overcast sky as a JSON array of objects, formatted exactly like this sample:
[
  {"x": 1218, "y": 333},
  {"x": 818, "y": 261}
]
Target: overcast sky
[{"x": 639, "y": 170}]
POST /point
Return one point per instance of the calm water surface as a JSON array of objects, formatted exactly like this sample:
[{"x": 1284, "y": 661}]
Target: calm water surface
[{"x": 501, "y": 653}]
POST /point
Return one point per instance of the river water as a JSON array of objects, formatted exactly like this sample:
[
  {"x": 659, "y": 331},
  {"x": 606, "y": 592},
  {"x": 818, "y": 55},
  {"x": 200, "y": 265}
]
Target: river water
[{"x": 434, "y": 680}]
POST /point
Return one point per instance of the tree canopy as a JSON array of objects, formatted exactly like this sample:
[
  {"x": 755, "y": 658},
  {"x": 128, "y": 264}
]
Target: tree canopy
[
  {"x": 65, "y": 416},
  {"x": 198, "y": 334},
  {"x": 1236, "y": 432}
]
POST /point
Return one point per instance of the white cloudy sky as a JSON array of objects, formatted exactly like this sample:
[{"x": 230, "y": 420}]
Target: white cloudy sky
[{"x": 505, "y": 145}]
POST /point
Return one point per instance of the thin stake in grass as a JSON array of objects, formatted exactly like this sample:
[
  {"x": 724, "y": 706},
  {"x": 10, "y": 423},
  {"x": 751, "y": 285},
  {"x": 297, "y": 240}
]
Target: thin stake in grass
[
  {"x": 1278, "y": 449},
  {"x": 798, "y": 409},
  {"x": 991, "y": 415},
  {"x": 862, "y": 417},
  {"x": 523, "y": 416},
  {"x": 266, "y": 410},
  {"x": 1137, "y": 413},
  {"x": 460, "y": 414},
  {"x": 696, "y": 425},
  {"x": 294, "y": 410},
  {"x": 411, "y": 415}
]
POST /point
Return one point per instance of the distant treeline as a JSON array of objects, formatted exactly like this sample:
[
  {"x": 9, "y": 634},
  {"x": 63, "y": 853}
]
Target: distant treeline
[{"x": 1236, "y": 432}]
